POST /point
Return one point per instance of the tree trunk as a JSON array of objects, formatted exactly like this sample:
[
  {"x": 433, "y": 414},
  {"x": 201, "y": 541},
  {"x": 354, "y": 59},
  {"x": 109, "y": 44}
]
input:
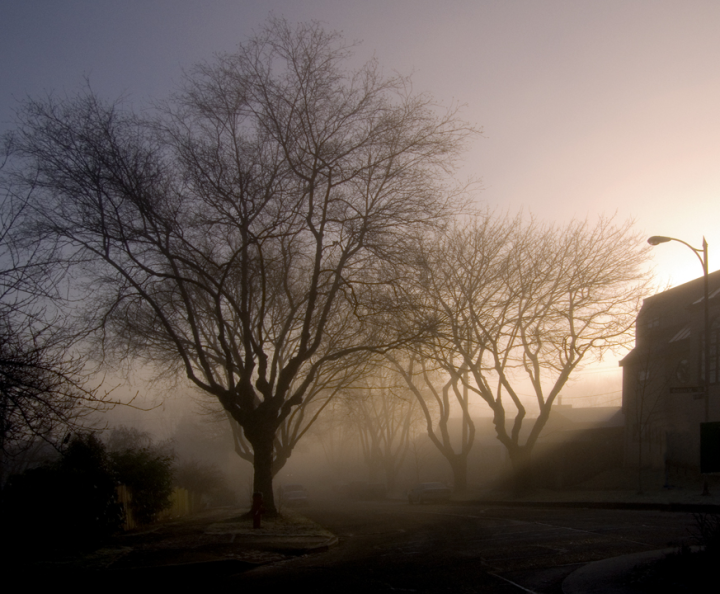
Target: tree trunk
[
  {"x": 459, "y": 470},
  {"x": 263, "y": 470},
  {"x": 522, "y": 470}
]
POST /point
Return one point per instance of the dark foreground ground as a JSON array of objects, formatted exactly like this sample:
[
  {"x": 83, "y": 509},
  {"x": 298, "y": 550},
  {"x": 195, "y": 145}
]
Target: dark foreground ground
[
  {"x": 390, "y": 547},
  {"x": 386, "y": 546}
]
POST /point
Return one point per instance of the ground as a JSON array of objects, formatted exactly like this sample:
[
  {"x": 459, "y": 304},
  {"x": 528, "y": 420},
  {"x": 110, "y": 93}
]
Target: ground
[{"x": 463, "y": 546}]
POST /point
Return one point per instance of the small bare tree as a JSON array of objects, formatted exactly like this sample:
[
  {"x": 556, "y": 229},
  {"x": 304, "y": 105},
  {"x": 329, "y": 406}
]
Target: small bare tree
[
  {"x": 522, "y": 305},
  {"x": 433, "y": 390},
  {"x": 386, "y": 417},
  {"x": 248, "y": 235}
]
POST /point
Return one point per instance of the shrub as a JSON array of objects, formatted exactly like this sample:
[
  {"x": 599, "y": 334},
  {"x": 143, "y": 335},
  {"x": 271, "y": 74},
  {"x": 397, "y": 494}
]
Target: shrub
[
  {"x": 72, "y": 499},
  {"x": 149, "y": 476},
  {"x": 206, "y": 480},
  {"x": 707, "y": 532}
]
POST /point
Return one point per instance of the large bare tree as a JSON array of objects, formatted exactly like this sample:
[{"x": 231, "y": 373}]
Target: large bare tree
[
  {"x": 328, "y": 383},
  {"x": 521, "y": 305},
  {"x": 250, "y": 233}
]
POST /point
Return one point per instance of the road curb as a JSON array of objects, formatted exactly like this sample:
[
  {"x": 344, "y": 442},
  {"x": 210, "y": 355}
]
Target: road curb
[{"x": 669, "y": 507}]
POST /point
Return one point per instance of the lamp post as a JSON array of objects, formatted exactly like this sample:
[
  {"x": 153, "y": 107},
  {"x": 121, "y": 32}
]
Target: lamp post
[{"x": 658, "y": 239}]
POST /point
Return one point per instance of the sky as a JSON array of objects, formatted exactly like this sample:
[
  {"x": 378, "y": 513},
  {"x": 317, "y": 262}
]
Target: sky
[{"x": 587, "y": 108}]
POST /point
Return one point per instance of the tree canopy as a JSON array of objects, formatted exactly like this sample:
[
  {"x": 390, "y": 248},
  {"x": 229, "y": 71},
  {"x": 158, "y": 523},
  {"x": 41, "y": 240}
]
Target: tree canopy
[
  {"x": 251, "y": 232},
  {"x": 522, "y": 304}
]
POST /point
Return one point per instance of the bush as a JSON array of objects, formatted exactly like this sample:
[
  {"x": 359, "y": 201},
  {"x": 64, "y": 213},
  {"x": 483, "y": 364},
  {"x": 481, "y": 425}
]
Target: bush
[
  {"x": 149, "y": 476},
  {"x": 206, "y": 480},
  {"x": 72, "y": 499}
]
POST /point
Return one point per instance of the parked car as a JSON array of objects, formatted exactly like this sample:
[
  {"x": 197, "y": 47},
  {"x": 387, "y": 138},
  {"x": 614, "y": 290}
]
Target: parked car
[
  {"x": 293, "y": 494},
  {"x": 429, "y": 492}
]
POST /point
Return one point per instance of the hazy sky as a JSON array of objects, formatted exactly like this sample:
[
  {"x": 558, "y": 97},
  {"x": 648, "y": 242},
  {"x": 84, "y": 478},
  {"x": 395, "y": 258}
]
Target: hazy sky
[{"x": 587, "y": 107}]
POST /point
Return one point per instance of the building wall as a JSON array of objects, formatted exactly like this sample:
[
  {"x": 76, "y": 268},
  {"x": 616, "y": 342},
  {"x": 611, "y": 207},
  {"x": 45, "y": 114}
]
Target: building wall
[{"x": 662, "y": 428}]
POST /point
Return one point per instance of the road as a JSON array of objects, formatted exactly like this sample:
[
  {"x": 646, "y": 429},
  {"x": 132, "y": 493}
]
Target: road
[{"x": 394, "y": 547}]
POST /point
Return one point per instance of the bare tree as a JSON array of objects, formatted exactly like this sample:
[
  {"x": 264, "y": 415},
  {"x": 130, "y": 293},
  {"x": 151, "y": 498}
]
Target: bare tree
[
  {"x": 432, "y": 391},
  {"x": 42, "y": 388},
  {"x": 522, "y": 305},
  {"x": 250, "y": 233},
  {"x": 43, "y": 385},
  {"x": 329, "y": 382},
  {"x": 386, "y": 417}
]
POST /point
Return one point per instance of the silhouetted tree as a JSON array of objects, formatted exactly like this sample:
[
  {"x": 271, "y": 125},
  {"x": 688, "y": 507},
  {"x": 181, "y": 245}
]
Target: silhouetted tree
[
  {"x": 386, "y": 417},
  {"x": 43, "y": 384},
  {"x": 525, "y": 304},
  {"x": 433, "y": 392},
  {"x": 328, "y": 382},
  {"x": 252, "y": 233}
]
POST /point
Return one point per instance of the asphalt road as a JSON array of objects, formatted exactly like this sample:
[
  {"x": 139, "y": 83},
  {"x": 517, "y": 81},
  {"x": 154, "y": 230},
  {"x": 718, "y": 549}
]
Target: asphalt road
[{"x": 395, "y": 547}]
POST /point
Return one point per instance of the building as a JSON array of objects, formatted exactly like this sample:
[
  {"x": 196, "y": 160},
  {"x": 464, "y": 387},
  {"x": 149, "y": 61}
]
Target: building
[{"x": 663, "y": 377}]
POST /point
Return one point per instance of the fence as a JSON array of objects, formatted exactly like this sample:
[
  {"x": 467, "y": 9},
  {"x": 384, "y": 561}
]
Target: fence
[{"x": 182, "y": 503}]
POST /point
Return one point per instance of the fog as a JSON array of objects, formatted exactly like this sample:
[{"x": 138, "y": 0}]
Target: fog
[{"x": 254, "y": 260}]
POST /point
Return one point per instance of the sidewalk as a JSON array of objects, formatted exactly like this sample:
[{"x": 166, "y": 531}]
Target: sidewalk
[
  {"x": 689, "y": 500},
  {"x": 619, "y": 489}
]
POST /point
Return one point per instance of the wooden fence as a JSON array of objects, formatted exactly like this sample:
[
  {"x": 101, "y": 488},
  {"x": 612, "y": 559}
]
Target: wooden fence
[{"x": 182, "y": 503}]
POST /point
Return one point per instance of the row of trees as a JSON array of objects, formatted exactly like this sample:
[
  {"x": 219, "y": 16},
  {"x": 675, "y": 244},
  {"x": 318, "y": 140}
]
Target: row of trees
[
  {"x": 285, "y": 218},
  {"x": 520, "y": 306}
]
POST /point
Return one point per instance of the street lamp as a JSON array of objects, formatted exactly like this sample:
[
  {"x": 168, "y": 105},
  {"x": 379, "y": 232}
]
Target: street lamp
[{"x": 658, "y": 239}]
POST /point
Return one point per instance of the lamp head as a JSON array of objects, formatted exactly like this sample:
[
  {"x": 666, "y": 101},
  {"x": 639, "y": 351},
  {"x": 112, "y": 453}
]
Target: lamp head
[{"x": 657, "y": 239}]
